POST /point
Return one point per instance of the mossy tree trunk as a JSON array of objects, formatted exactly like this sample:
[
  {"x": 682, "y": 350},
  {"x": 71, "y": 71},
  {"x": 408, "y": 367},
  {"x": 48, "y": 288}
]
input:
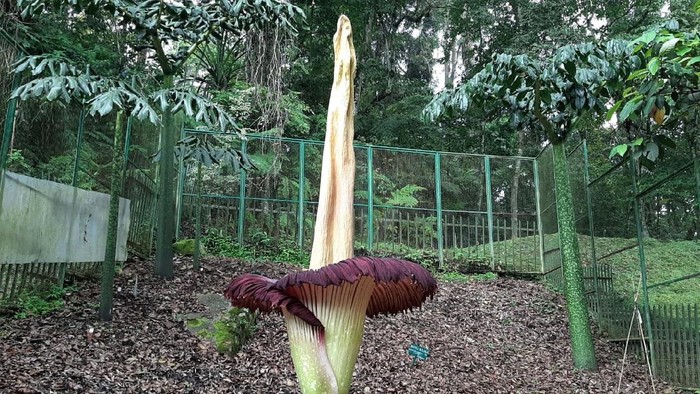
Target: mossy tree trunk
[
  {"x": 582, "y": 347},
  {"x": 108, "y": 266},
  {"x": 165, "y": 211}
]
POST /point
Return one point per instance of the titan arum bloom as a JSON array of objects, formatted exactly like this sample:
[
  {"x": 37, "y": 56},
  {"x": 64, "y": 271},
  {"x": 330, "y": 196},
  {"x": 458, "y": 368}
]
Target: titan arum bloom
[{"x": 324, "y": 307}]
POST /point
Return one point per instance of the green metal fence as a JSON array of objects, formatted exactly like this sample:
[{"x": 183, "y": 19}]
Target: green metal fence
[
  {"x": 633, "y": 226},
  {"x": 448, "y": 206},
  {"x": 75, "y": 161}
]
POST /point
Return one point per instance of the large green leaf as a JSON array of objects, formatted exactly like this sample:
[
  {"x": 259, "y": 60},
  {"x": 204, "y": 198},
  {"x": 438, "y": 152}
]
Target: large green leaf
[
  {"x": 654, "y": 65},
  {"x": 668, "y": 45},
  {"x": 630, "y": 107}
]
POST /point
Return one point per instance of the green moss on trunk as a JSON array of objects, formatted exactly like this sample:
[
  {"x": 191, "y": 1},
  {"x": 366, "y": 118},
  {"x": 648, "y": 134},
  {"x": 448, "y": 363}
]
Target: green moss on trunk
[{"x": 577, "y": 307}]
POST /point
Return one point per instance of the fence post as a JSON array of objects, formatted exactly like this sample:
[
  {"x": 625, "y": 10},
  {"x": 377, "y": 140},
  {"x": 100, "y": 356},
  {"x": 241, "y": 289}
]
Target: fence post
[
  {"x": 181, "y": 173},
  {"x": 198, "y": 220},
  {"x": 642, "y": 262},
  {"x": 241, "y": 197},
  {"x": 300, "y": 213},
  {"x": 127, "y": 147},
  {"x": 538, "y": 205},
  {"x": 696, "y": 165},
  {"x": 9, "y": 125},
  {"x": 370, "y": 198},
  {"x": 591, "y": 227},
  {"x": 438, "y": 207},
  {"x": 489, "y": 208}
]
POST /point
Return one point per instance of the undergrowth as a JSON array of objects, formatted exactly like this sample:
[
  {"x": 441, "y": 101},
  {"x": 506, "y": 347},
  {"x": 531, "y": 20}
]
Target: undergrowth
[
  {"x": 261, "y": 247},
  {"x": 229, "y": 332},
  {"x": 36, "y": 302}
]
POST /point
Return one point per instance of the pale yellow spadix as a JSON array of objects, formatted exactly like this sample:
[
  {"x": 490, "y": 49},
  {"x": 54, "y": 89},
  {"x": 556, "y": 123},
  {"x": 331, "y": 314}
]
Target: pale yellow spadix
[{"x": 334, "y": 231}]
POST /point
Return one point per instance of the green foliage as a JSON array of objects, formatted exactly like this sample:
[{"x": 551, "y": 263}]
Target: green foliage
[
  {"x": 553, "y": 93},
  {"x": 17, "y": 163},
  {"x": 220, "y": 244},
  {"x": 233, "y": 330},
  {"x": 660, "y": 95},
  {"x": 260, "y": 247},
  {"x": 404, "y": 197},
  {"x": 38, "y": 301},
  {"x": 60, "y": 169}
]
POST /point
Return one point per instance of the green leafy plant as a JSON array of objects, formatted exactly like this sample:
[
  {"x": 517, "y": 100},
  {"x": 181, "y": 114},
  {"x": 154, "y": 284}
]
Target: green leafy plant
[
  {"x": 17, "y": 163},
  {"x": 229, "y": 332},
  {"x": 219, "y": 244},
  {"x": 39, "y": 301},
  {"x": 232, "y": 331}
]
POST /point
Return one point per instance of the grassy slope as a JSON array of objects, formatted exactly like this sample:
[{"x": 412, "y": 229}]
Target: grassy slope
[{"x": 666, "y": 260}]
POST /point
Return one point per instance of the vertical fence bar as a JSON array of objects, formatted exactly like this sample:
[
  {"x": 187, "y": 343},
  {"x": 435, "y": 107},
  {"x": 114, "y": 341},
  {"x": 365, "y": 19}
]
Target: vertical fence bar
[
  {"x": 538, "y": 205},
  {"x": 370, "y": 198},
  {"x": 438, "y": 208},
  {"x": 198, "y": 220},
  {"x": 696, "y": 165},
  {"x": 241, "y": 196},
  {"x": 9, "y": 125},
  {"x": 300, "y": 212},
  {"x": 642, "y": 262},
  {"x": 591, "y": 227},
  {"x": 489, "y": 208},
  {"x": 78, "y": 147},
  {"x": 181, "y": 179},
  {"x": 127, "y": 146},
  {"x": 7, "y": 133}
]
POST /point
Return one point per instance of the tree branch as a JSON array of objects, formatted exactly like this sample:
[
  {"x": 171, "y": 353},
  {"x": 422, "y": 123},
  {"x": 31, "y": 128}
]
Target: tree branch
[{"x": 161, "y": 56}]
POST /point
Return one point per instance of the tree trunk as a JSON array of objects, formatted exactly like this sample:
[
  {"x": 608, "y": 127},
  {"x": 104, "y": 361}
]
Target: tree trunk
[
  {"x": 579, "y": 326},
  {"x": 515, "y": 183},
  {"x": 108, "y": 266},
  {"x": 165, "y": 212},
  {"x": 451, "y": 61}
]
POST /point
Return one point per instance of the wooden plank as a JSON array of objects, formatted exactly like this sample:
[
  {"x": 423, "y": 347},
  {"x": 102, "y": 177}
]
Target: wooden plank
[
  {"x": 5, "y": 279},
  {"x": 667, "y": 343}
]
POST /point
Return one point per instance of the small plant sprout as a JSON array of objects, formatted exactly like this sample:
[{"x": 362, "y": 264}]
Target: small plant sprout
[{"x": 324, "y": 307}]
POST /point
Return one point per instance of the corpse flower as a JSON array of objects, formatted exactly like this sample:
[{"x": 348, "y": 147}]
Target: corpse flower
[{"x": 324, "y": 308}]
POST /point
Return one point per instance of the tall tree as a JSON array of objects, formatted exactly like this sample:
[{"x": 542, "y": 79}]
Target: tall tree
[
  {"x": 160, "y": 26},
  {"x": 554, "y": 93}
]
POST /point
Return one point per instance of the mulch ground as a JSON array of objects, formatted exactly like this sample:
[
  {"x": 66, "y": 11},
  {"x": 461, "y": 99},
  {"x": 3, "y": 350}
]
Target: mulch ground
[{"x": 500, "y": 336}]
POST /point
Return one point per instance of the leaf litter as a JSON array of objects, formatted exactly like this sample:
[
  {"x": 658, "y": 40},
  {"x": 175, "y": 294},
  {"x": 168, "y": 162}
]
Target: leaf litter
[{"x": 498, "y": 336}]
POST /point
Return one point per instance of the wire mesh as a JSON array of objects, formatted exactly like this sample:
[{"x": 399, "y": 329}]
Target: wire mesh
[
  {"x": 635, "y": 225},
  {"x": 61, "y": 143},
  {"x": 408, "y": 202}
]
